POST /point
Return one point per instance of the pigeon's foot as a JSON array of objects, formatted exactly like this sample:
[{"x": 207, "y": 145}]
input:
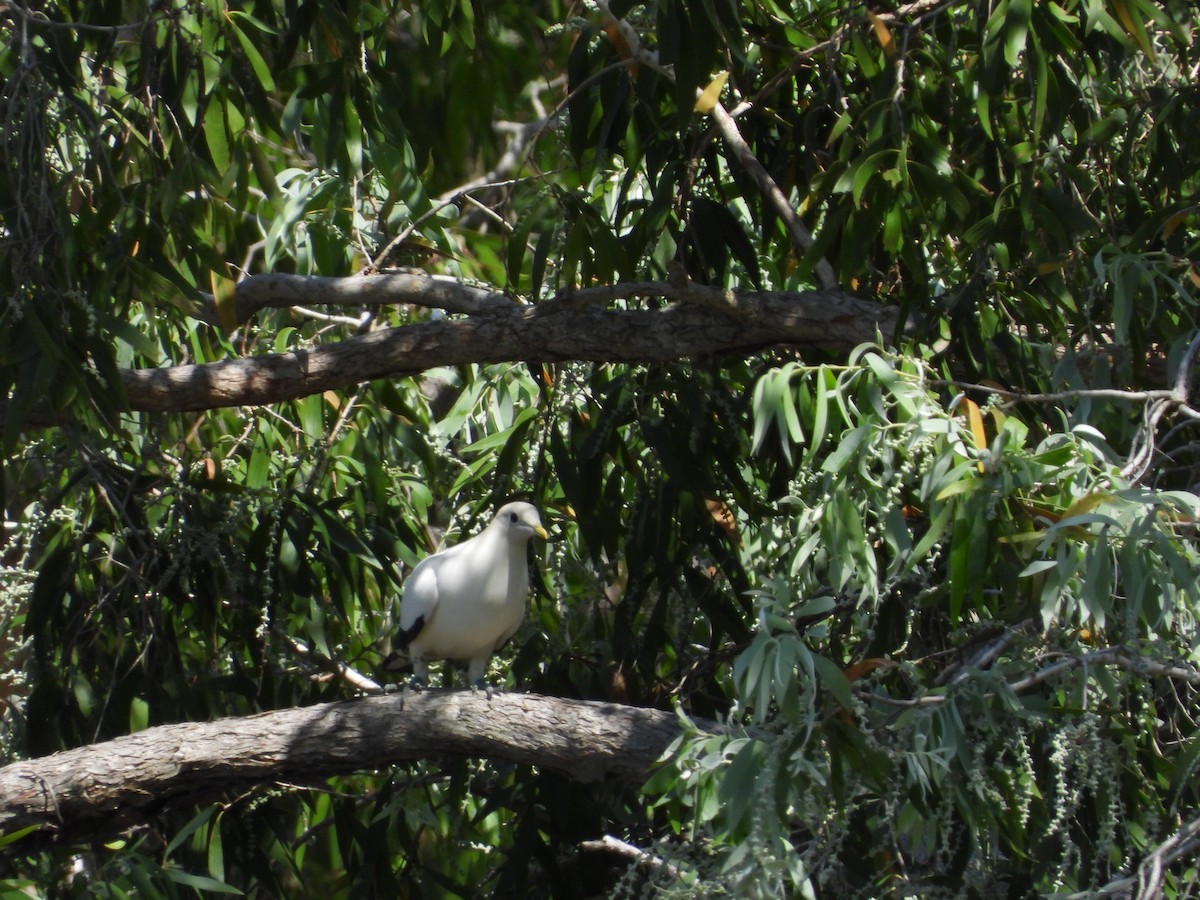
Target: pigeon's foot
[
  {"x": 414, "y": 685},
  {"x": 481, "y": 685}
]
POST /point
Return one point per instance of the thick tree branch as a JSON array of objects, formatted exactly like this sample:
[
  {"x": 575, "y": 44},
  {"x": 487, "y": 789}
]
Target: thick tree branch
[
  {"x": 102, "y": 789},
  {"x": 706, "y": 321}
]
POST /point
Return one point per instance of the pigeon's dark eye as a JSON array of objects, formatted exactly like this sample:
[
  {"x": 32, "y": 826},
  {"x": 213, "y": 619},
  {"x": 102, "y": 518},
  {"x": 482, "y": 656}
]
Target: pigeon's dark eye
[{"x": 513, "y": 517}]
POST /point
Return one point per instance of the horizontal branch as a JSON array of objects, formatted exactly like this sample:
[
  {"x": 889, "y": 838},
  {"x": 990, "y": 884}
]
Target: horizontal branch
[
  {"x": 705, "y": 322},
  {"x": 282, "y": 291},
  {"x": 1012, "y": 397},
  {"x": 1114, "y": 656},
  {"x": 101, "y": 789}
]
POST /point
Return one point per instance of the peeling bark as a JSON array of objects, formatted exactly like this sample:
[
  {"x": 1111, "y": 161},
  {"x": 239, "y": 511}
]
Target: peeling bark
[{"x": 98, "y": 790}]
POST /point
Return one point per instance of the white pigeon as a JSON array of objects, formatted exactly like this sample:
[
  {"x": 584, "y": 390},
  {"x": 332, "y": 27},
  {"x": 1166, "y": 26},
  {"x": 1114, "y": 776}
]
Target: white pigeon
[{"x": 464, "y": 603}]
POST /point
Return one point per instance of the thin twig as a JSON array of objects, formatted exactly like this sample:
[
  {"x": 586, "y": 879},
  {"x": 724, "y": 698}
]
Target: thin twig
[
  {"x": 1183, "y": 376},
  {"x": 336, "y": 320},
  {"x": 351, "y": 676},
  {"x": 1014, "y": 397},
  {"x": 1108, "y": 654},
  {"x": 920, "y": 9},
  {"x": 801, "y": 238},
  {"x": 445, "y": 200},
  {"x": 1147, "y": 882},
  {"x": 520, "y": 138},
  {"x": 39, "y": 19},
  {"x": 642, "y": 857},
  {"x": 491, "y": 214},
  {"x": 1118, "y": 656}
]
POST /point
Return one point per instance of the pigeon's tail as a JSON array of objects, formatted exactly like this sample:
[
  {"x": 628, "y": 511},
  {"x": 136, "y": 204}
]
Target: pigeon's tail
[{"x": 399, "y": 659}]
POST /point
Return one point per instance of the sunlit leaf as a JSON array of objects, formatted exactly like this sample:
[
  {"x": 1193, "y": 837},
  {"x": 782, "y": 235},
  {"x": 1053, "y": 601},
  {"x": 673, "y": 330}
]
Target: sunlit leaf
[
  {"x": 709, "y": 96},
  {"x": 882, "y": 34}
]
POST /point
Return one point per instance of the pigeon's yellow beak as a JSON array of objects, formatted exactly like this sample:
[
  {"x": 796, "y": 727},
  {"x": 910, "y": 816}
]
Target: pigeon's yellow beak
[{"x": 540, "y": 532}]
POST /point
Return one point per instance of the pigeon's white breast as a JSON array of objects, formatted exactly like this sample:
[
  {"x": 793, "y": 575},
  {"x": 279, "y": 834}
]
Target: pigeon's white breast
[{"x": 480, "y": 600}]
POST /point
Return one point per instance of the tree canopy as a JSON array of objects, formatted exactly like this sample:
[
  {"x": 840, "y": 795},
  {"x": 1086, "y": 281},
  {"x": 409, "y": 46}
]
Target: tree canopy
[{"x": 849, "y": 353}]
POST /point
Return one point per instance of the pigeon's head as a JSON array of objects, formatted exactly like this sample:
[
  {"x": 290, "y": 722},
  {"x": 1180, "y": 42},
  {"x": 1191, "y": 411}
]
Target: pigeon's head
[{"x": 519, "y": 521}]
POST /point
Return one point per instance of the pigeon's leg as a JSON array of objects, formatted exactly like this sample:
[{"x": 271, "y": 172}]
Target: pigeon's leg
[
  {"x": 418, "y": 681},
  {"x": 413, "y": 683},
  {"x": 476, "y": 669},
  {"x": 420, "y": 675}
]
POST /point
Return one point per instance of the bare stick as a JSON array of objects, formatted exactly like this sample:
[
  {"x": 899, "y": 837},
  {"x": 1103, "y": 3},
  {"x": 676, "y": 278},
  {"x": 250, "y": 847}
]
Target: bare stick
[{"x": 801, "y": 239}]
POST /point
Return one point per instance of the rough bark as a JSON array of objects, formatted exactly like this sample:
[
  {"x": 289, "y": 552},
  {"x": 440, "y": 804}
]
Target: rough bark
[
  {"x": 94, "y": 791},
  {"x": 702, "y": 321}
]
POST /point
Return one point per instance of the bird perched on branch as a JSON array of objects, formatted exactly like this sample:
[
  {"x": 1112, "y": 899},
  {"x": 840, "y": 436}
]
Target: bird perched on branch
[{"x": 464, "y": 603}]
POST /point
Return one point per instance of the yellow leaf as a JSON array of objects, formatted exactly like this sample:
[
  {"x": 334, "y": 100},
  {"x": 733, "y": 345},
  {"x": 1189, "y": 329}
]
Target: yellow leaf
[
  {"x": 1194, "y": 277},
  {"x": 975, "y": 420},
  {"x": 1026, "y": 538},
  {"x": 1131, "y": 27},
  {"x": 855, "y": 671},
  {"x": 1174, "y": 222},
  {"x": 707, "y": 100},
  {"x": 224, "y": 292},
  {"x": 883, "y": 35},
  {"x": 723, "y": 516},
  {"x": 1040, "y": 512},
  {"x": 1085, "y": 504}
]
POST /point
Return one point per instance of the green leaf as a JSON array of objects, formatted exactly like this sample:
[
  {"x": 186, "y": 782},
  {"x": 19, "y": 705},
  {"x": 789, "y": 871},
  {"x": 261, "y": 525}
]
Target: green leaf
[
  {"x": 261, "y": 70},
  {"x": 129, "y": 334},
  {"x": 13, "y": 836},
  {"x": 215, "y": 135},
  {"x": 967, "y": 485},
  {"x": 937, "y": 528},
  {"x": 258, "y": 468},
  {"x": 216, "y": 854},
  {"x": 738, "y": 782},
  {"x": 839, "y": 128},
  {"x": 983, "y": 106},
  {"x": 833, "y": 679},
  {"x": 1036, "y": 567},
  {"x": 312, "y": 416},
  {"x": 139, "y": 715},
  {"x": 343, "y": 538},
  {"x": 824, "y": 380},
  {"x": 197, "y": 821},
  {"x": 200, "y": 882},
  {"x": 1016, "y": 29},
  {"x": 847, "y": 448},
  {"x": 1041, "y": 84},
  {"x": 865, "y": 170}
]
